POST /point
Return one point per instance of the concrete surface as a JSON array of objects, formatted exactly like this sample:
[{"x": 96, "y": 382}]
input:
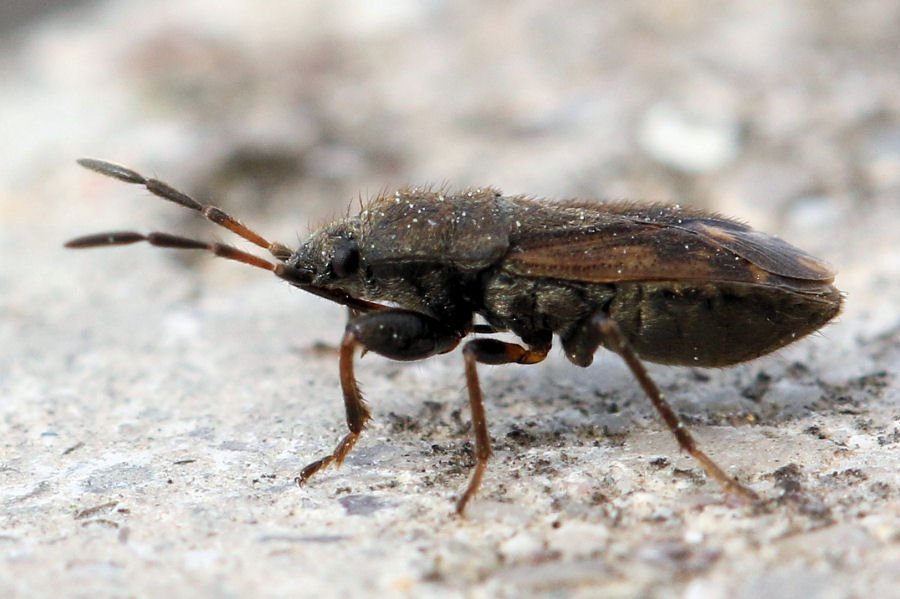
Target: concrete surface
[{"x": 156, "y": 406}]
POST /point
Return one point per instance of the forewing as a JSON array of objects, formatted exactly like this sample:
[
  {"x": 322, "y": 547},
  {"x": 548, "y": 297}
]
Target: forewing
[{"x": 630, "y": 245}]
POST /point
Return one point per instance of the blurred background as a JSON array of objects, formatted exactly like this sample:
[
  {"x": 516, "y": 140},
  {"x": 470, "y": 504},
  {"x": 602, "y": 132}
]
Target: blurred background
[
  {"x": 774, "y": 111},
  {"x": 784, "y": 114}
]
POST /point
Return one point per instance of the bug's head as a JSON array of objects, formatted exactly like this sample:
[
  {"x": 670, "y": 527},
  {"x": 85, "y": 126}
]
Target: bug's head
[{"x": 329, "y": 259}]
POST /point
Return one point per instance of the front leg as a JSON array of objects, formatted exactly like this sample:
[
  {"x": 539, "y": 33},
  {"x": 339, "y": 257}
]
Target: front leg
[{"x": 393, "y": 333}]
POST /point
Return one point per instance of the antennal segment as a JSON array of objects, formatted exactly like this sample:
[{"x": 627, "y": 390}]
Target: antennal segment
[
  {"x": 166, "y": 240},
  {"x": 167, "y": 192}
]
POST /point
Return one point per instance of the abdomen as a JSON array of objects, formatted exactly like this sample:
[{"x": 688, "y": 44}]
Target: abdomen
[{"x": 705, "y": 324}]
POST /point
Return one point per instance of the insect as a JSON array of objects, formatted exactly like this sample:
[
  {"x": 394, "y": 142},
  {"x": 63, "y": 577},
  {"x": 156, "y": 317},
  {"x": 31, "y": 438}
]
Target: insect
[{"x": 671, "y": 285}]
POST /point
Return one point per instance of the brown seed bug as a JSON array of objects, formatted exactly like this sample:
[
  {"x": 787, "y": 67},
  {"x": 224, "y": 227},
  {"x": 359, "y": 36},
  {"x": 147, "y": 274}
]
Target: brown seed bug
[{"x": 671, "y": 285}]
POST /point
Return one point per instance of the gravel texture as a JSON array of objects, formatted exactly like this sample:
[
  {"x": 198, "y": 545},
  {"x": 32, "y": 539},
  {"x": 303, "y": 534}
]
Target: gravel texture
[{"x": 156, "y": 406}]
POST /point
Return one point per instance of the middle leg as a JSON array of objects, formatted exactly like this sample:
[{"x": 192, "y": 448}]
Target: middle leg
[{"x": 489, "y": 351}]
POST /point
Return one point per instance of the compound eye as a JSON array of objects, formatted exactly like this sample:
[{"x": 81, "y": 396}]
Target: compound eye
[{"x": 345, "y": 261}]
